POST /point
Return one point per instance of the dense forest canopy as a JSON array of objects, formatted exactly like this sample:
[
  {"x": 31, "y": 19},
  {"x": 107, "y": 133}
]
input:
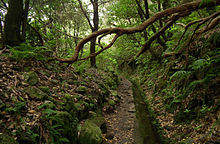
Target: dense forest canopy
[{"x": 62, "y": 25}]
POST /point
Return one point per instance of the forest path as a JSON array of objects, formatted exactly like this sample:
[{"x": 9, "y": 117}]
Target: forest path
[{"x": 121, "y": 124}]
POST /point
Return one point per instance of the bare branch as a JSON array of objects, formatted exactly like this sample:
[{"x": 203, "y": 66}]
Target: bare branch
[
  {"x": 181, "y": 24},
  {"x": 38, "y": 33},
  {"x": 103, "y": 49},
  {"x": 85, "y": 14}
]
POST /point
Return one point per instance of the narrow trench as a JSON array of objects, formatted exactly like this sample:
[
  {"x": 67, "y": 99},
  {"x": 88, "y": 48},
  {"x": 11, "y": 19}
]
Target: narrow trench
[
  {"x": 130, "y": 123},
  {"x": 145, "y": 131}
]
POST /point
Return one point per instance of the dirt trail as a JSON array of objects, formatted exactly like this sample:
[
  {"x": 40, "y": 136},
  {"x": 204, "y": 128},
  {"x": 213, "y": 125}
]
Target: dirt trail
[{"x": 121, "y": 124}]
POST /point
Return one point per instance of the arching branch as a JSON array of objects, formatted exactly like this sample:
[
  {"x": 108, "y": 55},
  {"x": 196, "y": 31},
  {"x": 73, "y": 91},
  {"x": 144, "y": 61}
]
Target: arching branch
[
  {"x": 188, "y": 7},
  {"x": 100, "y": 51},
  {"x": 161, "y": 31},
  {"x": 200, "y": 21}
]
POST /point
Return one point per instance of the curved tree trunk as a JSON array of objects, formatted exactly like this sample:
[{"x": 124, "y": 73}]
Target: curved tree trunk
[{"x": 13, "y": 19}]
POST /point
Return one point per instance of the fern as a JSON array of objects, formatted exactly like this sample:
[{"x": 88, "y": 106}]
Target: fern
[
  {"x": 215, "y": 39},
  {"x": 194, "y": 84},
  {"x": 49, "y": 112},
  {"x": 180, "y": 74},
  {"x": 201, "y": 63}
]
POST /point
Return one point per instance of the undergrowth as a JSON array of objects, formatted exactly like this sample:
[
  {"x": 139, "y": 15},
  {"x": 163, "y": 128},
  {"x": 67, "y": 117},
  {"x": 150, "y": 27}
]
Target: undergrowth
[
  {"x": 189, "y": 87},
  {"x": 25, "y": 51}
]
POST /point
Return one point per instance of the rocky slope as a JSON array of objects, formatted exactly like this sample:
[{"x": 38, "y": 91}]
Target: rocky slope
[{"x": 49, "y": 102}]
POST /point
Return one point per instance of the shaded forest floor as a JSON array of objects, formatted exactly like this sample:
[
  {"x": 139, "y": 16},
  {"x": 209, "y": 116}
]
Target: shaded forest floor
[{"x": 49, "y": 102}]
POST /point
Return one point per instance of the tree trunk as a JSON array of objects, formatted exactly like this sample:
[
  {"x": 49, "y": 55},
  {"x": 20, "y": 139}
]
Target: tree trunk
[
  {"x": 94, "y": 29},
  {"x": 92, "y": 50},
  {"x": 2, "y": 34},
  {"x": 25, "y": 16},
  {"x": 13, "y": 19}
]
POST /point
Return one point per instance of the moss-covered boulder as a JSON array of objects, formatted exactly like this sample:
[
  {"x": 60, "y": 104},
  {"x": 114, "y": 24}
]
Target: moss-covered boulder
[
  {"x": 31, "y": 78},
  {"x": 5, "y": 139},
  {"x": 90, "y": 133},
  {"x": 100, "y": 122},
  {"x": 35, "y": 93}
]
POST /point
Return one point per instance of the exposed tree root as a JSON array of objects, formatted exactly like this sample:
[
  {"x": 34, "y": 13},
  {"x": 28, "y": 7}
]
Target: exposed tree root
[{"x": 179, "y": 11}]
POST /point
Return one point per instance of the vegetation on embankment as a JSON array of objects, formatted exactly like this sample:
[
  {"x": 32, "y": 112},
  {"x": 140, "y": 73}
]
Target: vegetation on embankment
[
  {"x": 183, "y": 91},
  {"x": 48, "y": 102}
]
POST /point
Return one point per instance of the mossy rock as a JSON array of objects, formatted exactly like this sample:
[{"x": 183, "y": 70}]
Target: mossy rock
[
  {"x": 36, "y": 93},
  {"x": 31, "y": 78},
  {"x": 90, "y": 133},
  {"x": 5, "y": 139},
  {"x": 99, "y": 121}
]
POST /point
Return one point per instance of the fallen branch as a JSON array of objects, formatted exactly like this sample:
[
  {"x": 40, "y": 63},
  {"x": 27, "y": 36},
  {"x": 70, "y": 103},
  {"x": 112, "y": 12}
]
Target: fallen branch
[{"x": 188, "y": 7}]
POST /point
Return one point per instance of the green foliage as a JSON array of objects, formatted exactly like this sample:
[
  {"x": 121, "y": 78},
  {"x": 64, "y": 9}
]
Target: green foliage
[
  {"x": 26, "y": 51},
  {"x": 215, "y": 39},
  {"x": 198, "y": 64},
  {"x": 194, "y": 84},
  {"x": 17, "y": 108},
  {"x": 180, "y": 74},
  {"x": 62, "y": 126},
  {"x": 204, "y": 2}
]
